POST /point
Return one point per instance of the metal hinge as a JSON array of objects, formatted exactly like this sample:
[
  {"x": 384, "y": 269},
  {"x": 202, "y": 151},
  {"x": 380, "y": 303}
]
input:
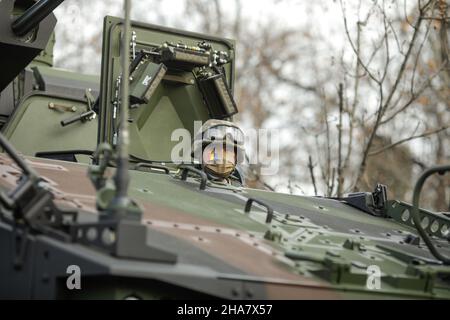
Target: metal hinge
[{"x": 373, "y": 203}]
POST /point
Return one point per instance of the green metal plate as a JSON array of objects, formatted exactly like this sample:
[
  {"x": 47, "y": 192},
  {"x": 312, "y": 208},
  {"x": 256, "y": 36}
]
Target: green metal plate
[{"x": 34, "y": 127}]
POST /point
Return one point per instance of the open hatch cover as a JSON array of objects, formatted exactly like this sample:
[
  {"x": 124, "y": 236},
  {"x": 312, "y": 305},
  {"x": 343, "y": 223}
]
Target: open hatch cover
[{"x": 176, "y": 78}]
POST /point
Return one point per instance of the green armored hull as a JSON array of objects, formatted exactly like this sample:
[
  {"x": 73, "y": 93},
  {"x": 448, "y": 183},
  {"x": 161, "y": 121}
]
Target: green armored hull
[
  {"x": 204, "y": 244},
  {"x": 67, "y": 233}
]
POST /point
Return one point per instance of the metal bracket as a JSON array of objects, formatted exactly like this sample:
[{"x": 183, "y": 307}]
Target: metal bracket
[
  {"x": 201, "y": 174},
  {"x": 100, "y": 234},
  {"x": 248, "y": 208},
  {"x": 85, "y": 116},
  {"x": 122, "y": 238},
  {"x": 151, "y": 166},
  {"x": 435, "y": 224},
  {"x": 373, "y": 203},
  {"x": 33, "y": 210},
  {"x": 101, "y": 157},
  {"x": 133, "y": 44}
]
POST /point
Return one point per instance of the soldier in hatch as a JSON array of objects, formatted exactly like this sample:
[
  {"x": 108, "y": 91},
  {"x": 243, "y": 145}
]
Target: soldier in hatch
[{"x": 218, "y": 148}]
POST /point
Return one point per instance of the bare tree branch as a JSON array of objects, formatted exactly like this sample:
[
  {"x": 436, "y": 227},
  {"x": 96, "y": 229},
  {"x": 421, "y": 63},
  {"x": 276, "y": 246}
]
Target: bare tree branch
[
  {"x": 219, "y": 26},
  {"x": 383, "y": 106},
  {"x": 414, "y": 137},
  {"x": 339, "y": 168},
  {"x": 311, "y": 172}
]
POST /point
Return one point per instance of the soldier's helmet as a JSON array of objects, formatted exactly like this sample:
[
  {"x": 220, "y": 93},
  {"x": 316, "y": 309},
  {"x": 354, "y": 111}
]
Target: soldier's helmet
[{"x": 218, "y": 147}]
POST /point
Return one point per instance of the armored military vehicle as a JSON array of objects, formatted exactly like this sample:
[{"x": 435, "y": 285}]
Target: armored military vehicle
[{"x": 93, "y": 207}]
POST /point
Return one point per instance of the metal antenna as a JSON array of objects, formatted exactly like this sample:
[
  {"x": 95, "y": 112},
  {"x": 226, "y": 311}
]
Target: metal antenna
[{"x": 122, "y": 177}]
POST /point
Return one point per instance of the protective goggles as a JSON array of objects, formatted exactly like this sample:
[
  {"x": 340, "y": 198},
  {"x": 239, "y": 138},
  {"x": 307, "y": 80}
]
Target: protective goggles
[{"x": 223, "y": 132}]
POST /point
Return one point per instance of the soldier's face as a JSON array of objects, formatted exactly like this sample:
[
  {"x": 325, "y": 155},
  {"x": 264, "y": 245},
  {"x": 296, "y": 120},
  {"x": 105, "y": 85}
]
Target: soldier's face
[{"x": 219, "y": 159}]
